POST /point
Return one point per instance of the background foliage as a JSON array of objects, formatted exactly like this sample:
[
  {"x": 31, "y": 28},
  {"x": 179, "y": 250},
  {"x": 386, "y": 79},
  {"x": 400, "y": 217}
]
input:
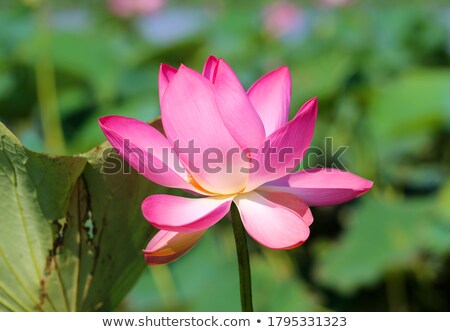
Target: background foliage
[{"x": 381, "y": 73}]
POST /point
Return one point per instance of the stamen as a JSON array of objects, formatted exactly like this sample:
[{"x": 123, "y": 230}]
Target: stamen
[{"x": 194, "y": 183}]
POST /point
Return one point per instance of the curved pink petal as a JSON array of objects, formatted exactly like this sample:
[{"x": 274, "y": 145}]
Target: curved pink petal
[
  {"x": 284, "y": 148},
  {"x": 271, "y": 224},
  {"x": 209, "y": 69},
  {"x": 181, "y": 214},
  {"x": 193, "y": 124},
  {"x": 146, "y": 150},
  {"x": 166, "y": 73},
  {"x": 236, "y": 110},
  {"x": 165, "y": 247},
  {"x": 291, "y": 202},
  {"x": 321, "y": 186},
  {"x": 271, "y": 97}
]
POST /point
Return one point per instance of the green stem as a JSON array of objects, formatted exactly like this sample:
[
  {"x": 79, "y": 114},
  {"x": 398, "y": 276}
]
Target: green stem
[
  {"x": 396, "y": 292},
  {"x": 245, "y": 279},
  {"x": 46, "y": 88},
  {"x": 165, "y": 285}
]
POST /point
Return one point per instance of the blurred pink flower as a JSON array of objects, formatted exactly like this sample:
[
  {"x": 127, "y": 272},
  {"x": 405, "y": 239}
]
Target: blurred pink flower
[
  {"x": 127, "y": 8},
  {"x": 282, "y": 18},
  {"x": 213, "y": 111}
]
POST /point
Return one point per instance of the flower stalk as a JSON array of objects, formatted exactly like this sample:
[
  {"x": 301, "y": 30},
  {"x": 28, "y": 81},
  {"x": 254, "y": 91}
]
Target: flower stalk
[
  {"x": 46, "y": 88},
  {"x": 245, "y": 279}
]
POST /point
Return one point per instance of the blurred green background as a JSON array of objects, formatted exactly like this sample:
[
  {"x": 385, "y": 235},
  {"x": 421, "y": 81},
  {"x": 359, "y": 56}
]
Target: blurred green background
[{"x": 381, "y": 72}]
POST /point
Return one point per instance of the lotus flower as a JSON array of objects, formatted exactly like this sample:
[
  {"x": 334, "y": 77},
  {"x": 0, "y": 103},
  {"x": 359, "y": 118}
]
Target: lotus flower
[{"x": 214, "y": 112}]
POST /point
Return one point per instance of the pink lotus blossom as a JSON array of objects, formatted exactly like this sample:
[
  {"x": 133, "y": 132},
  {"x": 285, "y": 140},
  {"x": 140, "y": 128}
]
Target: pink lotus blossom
[
  {"x": 213, "y": 110},
  {"x": 127, "y": 8}
]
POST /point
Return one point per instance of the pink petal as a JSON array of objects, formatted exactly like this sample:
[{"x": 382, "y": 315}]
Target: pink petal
[
  {"x": 271, "y": 97},
  {"x": 235, "y": 108},
  {"x": 181, "y": 214},
  {"x": 166, "y": 247},
  {"x": 321, "y": 186},
  {"x": 146, "y": 150},
  {"x": 271, "y": 224},
  {"x": 189, "y": 114},
  {"x": 209, "y": 69},
  {"x": 291, "y": 202},
  {"x": 288, "y": 143},
  {"x": 166, "y": 73}
]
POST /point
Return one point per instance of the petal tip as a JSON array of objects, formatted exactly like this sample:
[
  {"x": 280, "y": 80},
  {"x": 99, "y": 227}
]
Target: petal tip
[
  {"x": 166, "y": 247},
  {"x": 310, "y": 107},
  {"x": 105, "y": 121},
  {"x": 185, "y": 71},
  {"x": 212, "y": 58},
  {"x": 101, "y": 120},
  {"x": 314, "y": 101},
  {"x": 165, "y": 66},
  {"x": 365, "y": 187},
  {"x": 284, "y": 70}
]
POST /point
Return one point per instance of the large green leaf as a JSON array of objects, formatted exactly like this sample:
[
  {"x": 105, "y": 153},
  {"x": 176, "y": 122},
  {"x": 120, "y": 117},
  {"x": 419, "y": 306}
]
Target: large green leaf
[
  {"x": 408, "y": 110},
  {"x": 71, "y": 235},
  {"x": 383, "y": 236}
]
